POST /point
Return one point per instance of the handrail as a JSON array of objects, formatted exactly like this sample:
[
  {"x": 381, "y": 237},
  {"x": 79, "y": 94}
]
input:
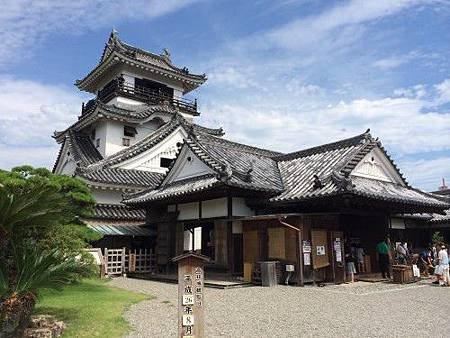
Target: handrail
[{"x": 148, "y": 95}]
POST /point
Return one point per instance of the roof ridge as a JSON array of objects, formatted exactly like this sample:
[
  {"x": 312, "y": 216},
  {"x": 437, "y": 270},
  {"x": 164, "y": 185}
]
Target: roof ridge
[
  {"x": 244, "y": 147},
  {"x": 326, "y": 147}
]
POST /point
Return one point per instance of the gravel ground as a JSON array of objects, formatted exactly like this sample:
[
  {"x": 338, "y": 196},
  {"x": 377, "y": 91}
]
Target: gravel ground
[{"x": 350, "y": 310}]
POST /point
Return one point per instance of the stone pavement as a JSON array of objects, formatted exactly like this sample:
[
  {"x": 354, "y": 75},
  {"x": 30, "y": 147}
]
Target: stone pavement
[{"x": 358, "y": 310}]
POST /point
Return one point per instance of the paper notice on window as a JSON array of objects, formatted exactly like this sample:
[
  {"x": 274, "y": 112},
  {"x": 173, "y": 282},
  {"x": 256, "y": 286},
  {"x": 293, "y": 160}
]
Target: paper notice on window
[{"x": 320, "y": 249}]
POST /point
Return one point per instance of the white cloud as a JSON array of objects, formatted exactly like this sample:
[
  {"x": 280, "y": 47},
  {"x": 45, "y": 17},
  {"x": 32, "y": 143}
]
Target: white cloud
[
  {"x": 399, "y": 122},
  {"x": 429, "y": 172},
  {"x": 306, "y": 31},
  {"x": 417, "y": 92},
  {"x": 30, "y": 111},
  {"x": 37, "y": 156},
  {"x": 390, "y": 63},
  {"x": 25, "y": 22},
  {"x": 443, "y": 90}
]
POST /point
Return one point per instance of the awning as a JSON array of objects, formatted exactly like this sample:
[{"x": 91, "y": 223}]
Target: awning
[{"x": 122, "y": 230}]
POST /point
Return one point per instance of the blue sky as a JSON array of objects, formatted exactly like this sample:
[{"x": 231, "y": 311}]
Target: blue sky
[{"x": 282, "y": 74}]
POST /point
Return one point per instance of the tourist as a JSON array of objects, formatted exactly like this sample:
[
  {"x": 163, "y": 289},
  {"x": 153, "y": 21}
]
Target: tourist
[
  {"x": 350, "y": 264},
  {"x": 360, "y": 259},
  {"x": 443, "y": 270},
  {"x": 425, "y": 261},
  {"x": 383, "y": 258},
  {"x": 400, "y": 253}
]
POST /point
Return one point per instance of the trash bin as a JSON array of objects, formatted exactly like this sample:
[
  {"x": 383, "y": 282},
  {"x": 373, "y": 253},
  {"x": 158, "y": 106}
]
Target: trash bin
[{"x": 268, "y": 273}]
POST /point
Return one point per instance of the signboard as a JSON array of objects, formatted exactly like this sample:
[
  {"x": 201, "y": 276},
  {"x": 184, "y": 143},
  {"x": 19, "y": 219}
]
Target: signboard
[
  {"x": 132, "y": 263},
  {"x": 190, "y": 293},
  {"x": 338, "y": 249},
  {"x": 306, "y": 258},
  {"x": 306, "y": 246}
]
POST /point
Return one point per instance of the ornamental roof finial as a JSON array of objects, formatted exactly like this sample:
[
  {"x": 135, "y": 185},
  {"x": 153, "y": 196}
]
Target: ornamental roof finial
[{"x": 165, "y": 54}]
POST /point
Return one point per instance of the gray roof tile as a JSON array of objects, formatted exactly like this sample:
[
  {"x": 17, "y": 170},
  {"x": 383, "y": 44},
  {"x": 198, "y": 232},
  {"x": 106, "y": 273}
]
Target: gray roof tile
[
  {"x": 121, "y": 177},
  {"x": 117, "y": 212}
]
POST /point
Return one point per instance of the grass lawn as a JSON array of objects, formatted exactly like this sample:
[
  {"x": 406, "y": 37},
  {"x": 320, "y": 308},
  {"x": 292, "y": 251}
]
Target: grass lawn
[{"x": 90, "y": 308}]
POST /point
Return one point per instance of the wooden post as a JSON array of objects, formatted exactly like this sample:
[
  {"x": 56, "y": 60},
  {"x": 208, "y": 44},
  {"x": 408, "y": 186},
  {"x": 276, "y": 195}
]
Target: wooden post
[
  {"x": 300, "y": 280},
  {"x": 191, "y": 296},
  {"x": 132, "y": 262},
  {"x": 106, "y": 261},
  {"x": 123, "y": 260}
]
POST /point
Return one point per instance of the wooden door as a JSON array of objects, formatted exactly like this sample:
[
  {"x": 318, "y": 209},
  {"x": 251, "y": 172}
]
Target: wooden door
[
  {"x": 238, "y": 257},
  {"x": 320, "y": 252}
]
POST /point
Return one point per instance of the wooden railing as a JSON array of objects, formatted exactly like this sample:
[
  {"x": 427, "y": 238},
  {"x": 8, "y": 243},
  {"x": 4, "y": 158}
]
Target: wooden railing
[
  {"x": 119, "y": 87},
  {"x": 121, "y": 261}
]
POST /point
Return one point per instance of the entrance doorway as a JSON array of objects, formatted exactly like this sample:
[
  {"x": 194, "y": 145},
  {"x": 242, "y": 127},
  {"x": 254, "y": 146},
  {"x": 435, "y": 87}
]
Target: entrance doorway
[{"x": 362, "y": 234}]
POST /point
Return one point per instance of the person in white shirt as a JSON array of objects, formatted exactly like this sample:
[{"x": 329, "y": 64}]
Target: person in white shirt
[{"x": 444, "y": 279}]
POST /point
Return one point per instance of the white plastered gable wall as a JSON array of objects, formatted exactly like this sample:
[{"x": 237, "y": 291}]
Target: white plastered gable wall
[
  {"x": 375, "y": 165},
  {"x": 149, "y": 160},
  {"x": 66, "y": 164},
  {"x": 186, "y": 166}
]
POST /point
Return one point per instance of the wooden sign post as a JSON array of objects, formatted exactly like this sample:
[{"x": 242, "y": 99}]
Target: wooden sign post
[{"x": 191, "y": 297}]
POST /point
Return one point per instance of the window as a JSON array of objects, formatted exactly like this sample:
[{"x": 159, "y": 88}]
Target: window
[
  {"x": 129, "y": 131},
  {"x": 97, "y": 143},
  {"x": 165, "y": 162},
  {"x": 126, "y": 142},
  {"x": 93, "y": 134}
]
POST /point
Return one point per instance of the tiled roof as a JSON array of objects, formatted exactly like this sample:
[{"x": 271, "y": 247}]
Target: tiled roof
[
  {"x": 238, "y": 164},
  {"x": 121, "y": 177},
  {"x": 393, "y": 192},
  {"x": 81, "y": 148},
  {"x": 234, "y": 164},
  {"x": 439, "y": 218},
  {"x": 117, "y": 212},
  {"x": 175, "y": 189},
  {"x": 117, "y": 52},
  {"x": 122, "y": 230},
  {"x": 139, "y": 114},
  {"x": 311, "y": 173},
  {"x": 298, "y": 169}
]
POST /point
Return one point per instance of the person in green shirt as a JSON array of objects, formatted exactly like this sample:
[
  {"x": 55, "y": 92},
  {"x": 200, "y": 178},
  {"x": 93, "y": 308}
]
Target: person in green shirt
[{"x": 383, "y": 258}]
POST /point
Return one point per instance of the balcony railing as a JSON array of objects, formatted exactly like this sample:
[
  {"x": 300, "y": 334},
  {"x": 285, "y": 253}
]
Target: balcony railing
[{"x": 120, "y": 88}]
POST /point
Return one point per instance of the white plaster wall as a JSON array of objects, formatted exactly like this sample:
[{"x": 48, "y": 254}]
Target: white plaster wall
[
  {"x": 68, "y": 168},
  {"x": 240, "y": 208},
  {"x": 123, "y": 102},
  {"x": 106, "y": 196},
  {"x": 214, "y": 208},
  {"x": 379, "y": 169},
  {"x": 66, "y": 164},
  {"x": 185, "y": 169},
  {"x": 188, "y": 211},
  {"x": 101, "y": 133},
  {"x": 177, "y": 93},
  {"x": 150, "y": 159}
]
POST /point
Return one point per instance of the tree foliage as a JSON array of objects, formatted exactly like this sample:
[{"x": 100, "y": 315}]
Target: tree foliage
[
  {"x": 69, "y": 199},
  {"x": 41, "y": 239}
]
